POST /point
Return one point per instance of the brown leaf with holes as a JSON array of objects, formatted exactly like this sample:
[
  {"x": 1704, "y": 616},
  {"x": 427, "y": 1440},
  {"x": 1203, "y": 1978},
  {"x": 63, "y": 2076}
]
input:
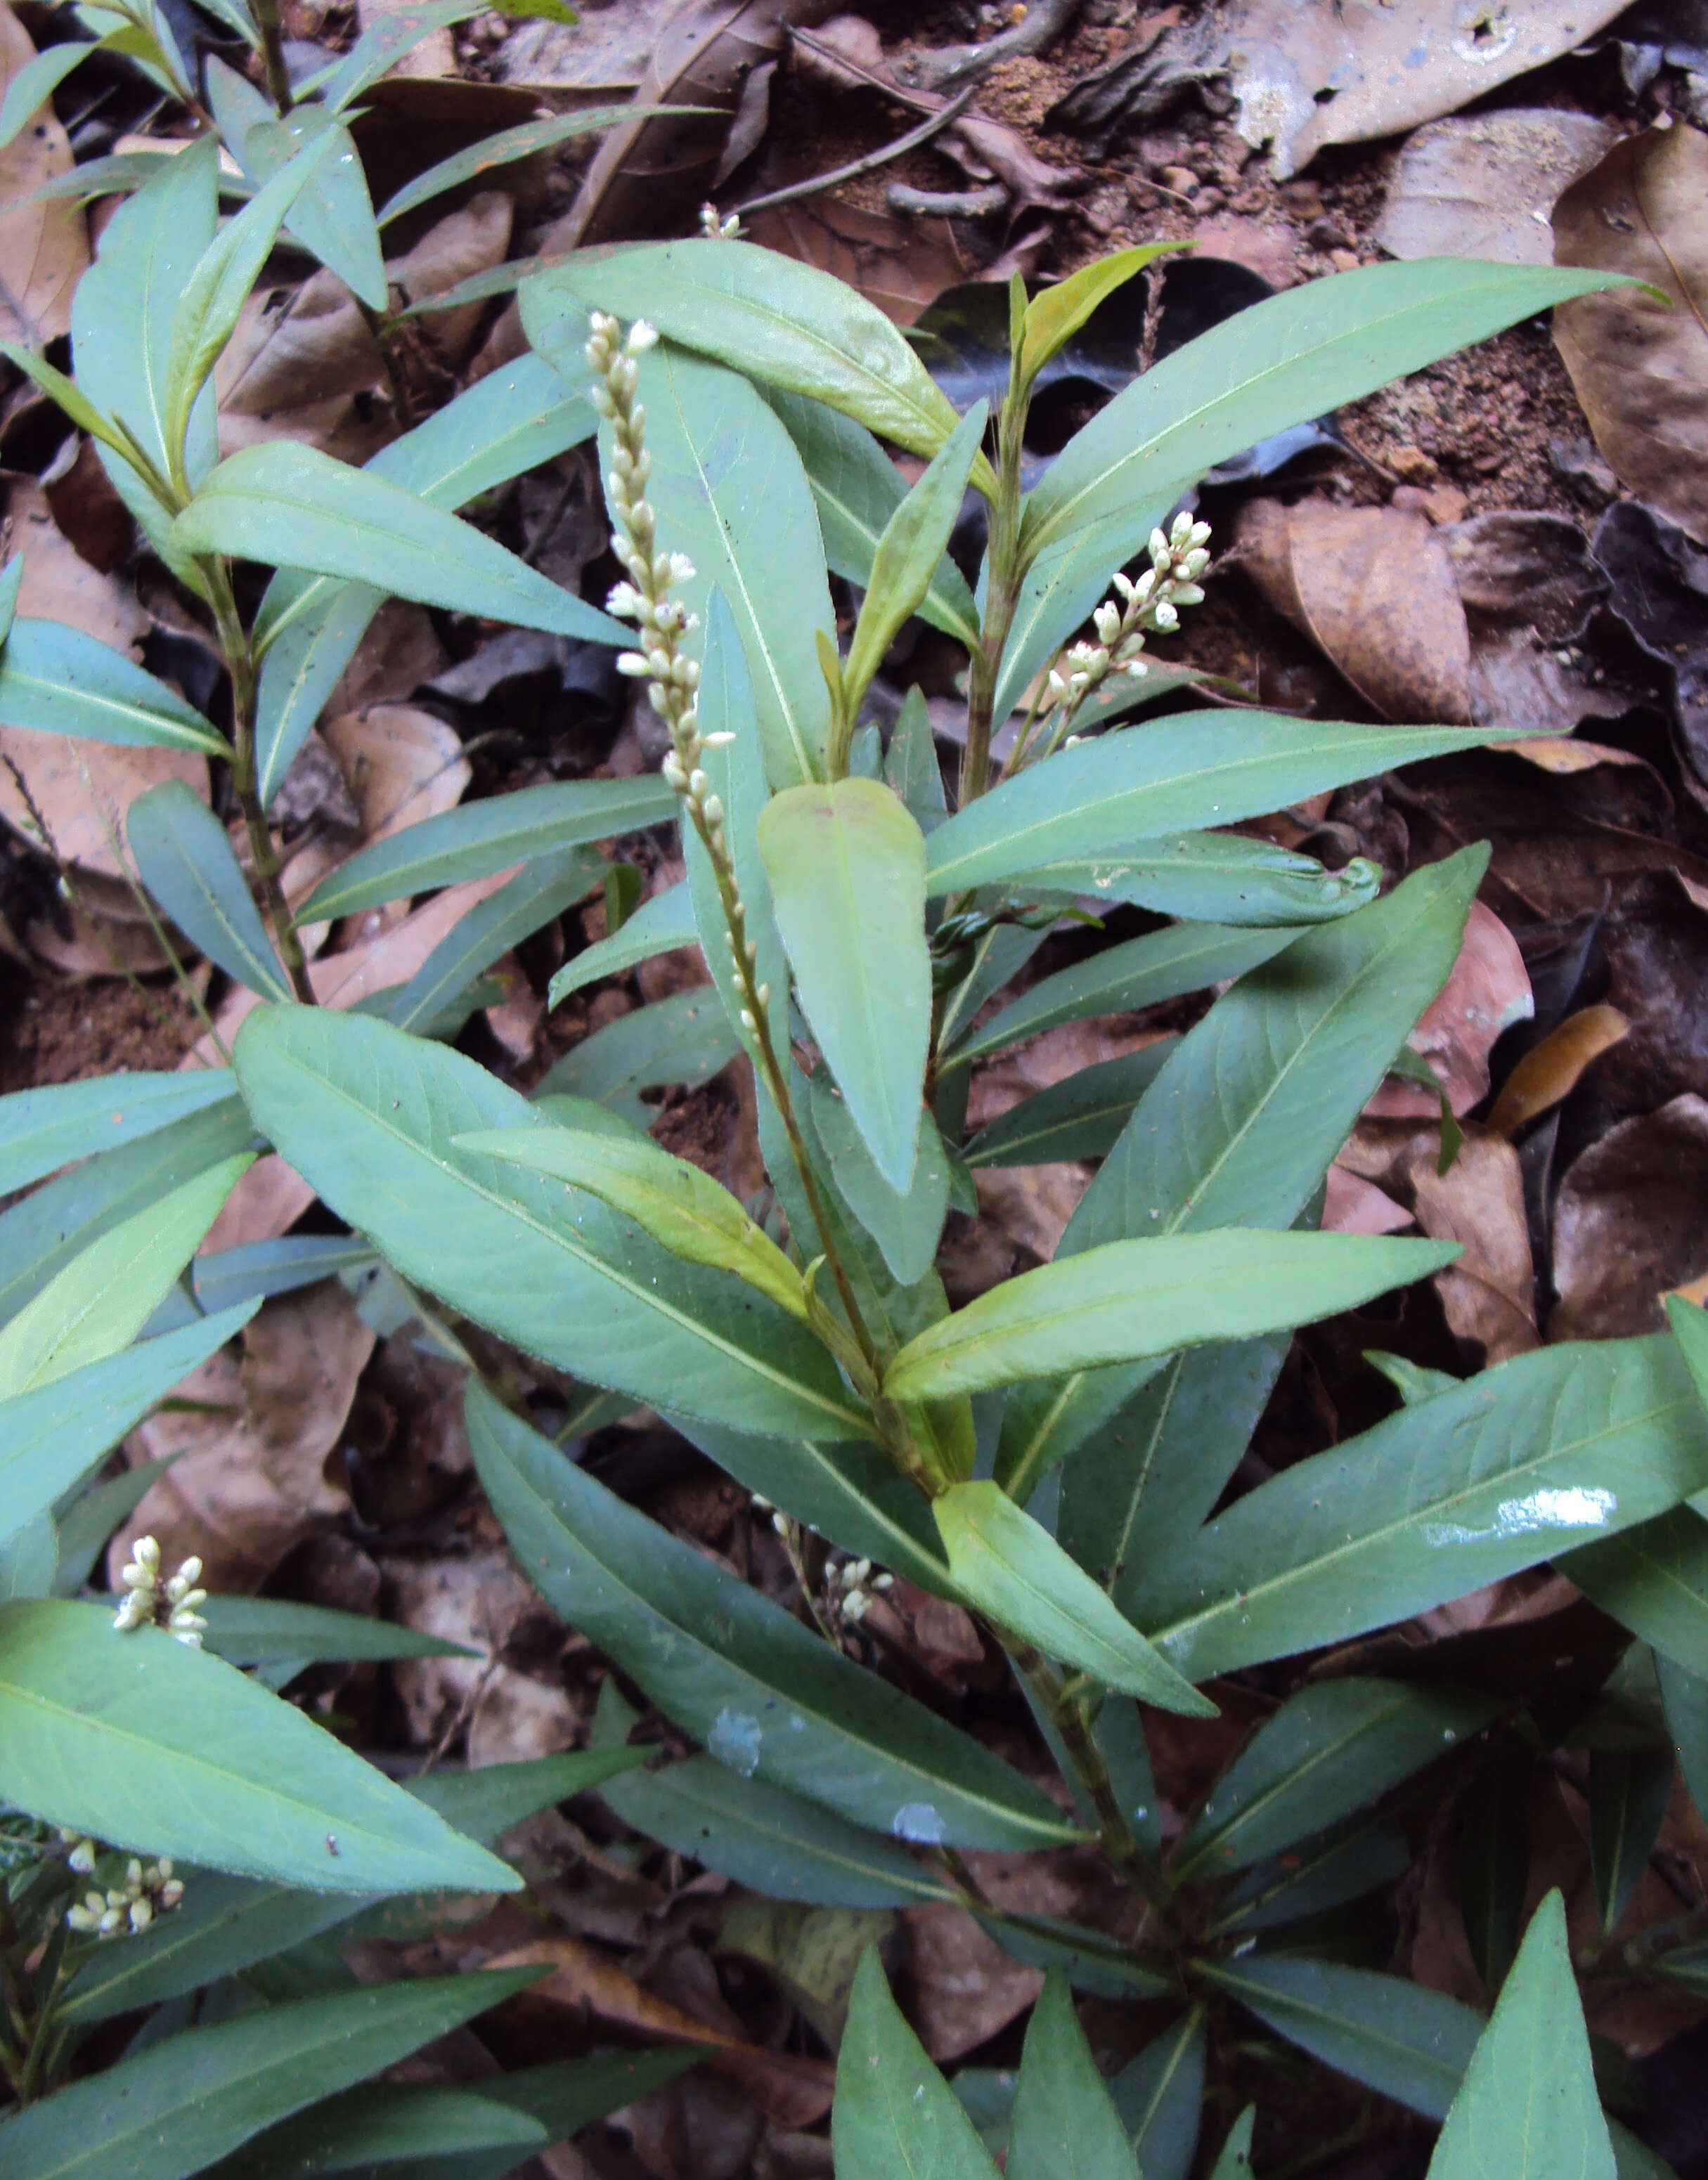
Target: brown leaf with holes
[
  {"x": 1551, "y": 1070},
  {"x": 1374, "y": 588},
  {"x": 44, "y": 248},
  {"x": 1488, "y": 1294},
  {"x": 1640, "y": 366}
]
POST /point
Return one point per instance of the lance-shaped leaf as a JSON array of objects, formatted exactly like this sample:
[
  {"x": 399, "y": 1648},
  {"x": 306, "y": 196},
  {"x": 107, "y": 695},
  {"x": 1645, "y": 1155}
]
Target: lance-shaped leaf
[
  {"x": 59, "y": 681},
  {"x": 1690, "y": 1324},
  {"x": 503, "y": 149},
  {"x": 388, "y": 2127},
  {"x": 1550, "y": 1450},
  {"x": 1160, "y": 2095},
  {"x": 216, "y": 291},
  {"x": 291, "y": 506},
  {"x": 1127, "y": 1300},
  {"x": 487, "y": 836},
  {"x": 1211, "y": 878},
  {"x": 185, "y": 860},
  {"x": 907, "y": 1224},
  {"x": 176, "y": 2105},
  {"x": 1296, "y": 355},
  {"x": 684, "y": 1039},
  {"x": 1080, "y": 1117},
  {"x": 907, "y": 554},
  {"x": 658, "y": 925},
  {"x": 370, "y": 1116},
  {"x": 107, "y": 1293},
  {"x": 1005, "y": 1563},
  {"x": 1629, "y": 1790},
  {"x": 35, "y": 82},
  {"x": 1654, "y": 1580},
  {"x": 1234, "y": 2160},
  {"x": 894, "y": 2112},
  {"x": 1528, "y": 2108},
  {"x": 846, "y": 866},
  {"x": 686, "y": 1211},
  {"x": 856, "y": 489},
  {"x": 536, "y": 896},
  {"x": 268, "y": 1631},
  {"x": 1056, "y": 313},
  {"x": 1412, "y": 2044},
  {"x": 1326, "y": 1752},
  {"x": 765, "y": 1695},
  {"x": 769, "y": 318},
  {"x": 137, "y": 1739},
  {"x": 1197, "y": 769},
  {"x": 40, "y": 1130},
  {"x": 1066, "y": 2126},
  {"x": 49, "y": 1437}
]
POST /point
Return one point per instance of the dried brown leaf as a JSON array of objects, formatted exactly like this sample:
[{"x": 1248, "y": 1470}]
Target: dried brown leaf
[
  {"x": 1483, "y": 185},
  {"x": 43, "y": 247},
  {"x": 1488, "y": 1294},
  {"x": 1631, "y": 1223},
  {"x": 1488, "y": 991},
  {"x": 1551, "y": 1070}
]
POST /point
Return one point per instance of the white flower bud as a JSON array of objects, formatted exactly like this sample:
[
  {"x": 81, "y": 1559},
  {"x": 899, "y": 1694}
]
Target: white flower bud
[
  {"x": 1145, "y": 585},
  {"x": 749, "y": 1022},
  {"x": 881, "y": 1582},
  {"x": 721, "y": 739},
  {"x": 856, "y": 1606},
  {"x": 626, "y": 601},
  {"x": 681, "y": 568},
  {"x": 1107, "y": 621},
  {"x": 1158, "y": 549},
  {"x": 1181, "y": 531},
  {"x": 1199, "y": 534},
  {"x": 601, "y": 399},
  {"x": 162, "y": 1867},
  {"x": 1165, "y": 617},
  {"x": 142, "y": 1914},
  {"x": 642, "y": 335},
  {"x": 1195, "y": 563},
  {"x": 171, "y": 1893},
  {"x": 780, "y": 1522},
  {"x": 714, "y": 809},
  {"x": 1188, "y": 594},
  {"x": 634, "y": 663},
  {"x": 763, "y": 994},
  {"x": 80, "y": 1919},
  {"x": 82, "y": 1857}
]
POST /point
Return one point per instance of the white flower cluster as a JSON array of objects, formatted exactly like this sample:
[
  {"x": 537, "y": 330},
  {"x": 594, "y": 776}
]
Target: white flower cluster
[
  {"x": 1152, "y": 602},
  {"x": 672, "y": 677},
  {"x": 149, "y": 1603},
  {"x": 719, "y": 230},
  {"x": 148, "y": 1889},
  {"x": 857, "y": 1586}
]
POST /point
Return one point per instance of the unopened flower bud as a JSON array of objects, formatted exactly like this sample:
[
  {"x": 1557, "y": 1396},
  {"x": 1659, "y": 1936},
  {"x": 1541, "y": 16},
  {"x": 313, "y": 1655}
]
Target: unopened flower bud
[
  {"x": 721, "y": 739},
  {"x": 142, "y": 1914},
  {"x": 1181, "y": 530},
  {"x": 642, "y": 335},
  {"x": 171, "y": 1893},
  {"x": 1165, "y": 617},
  {"x": 1107, "y": 621}
]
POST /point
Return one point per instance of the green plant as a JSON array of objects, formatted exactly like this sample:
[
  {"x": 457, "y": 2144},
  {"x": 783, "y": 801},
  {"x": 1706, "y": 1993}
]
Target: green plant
[{"x": 1050, "y": 1456}]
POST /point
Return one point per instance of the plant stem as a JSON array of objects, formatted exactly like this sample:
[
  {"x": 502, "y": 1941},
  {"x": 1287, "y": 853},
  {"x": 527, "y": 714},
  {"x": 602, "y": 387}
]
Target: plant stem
[
  {"x": 240, "y": 660},
  {"x": 267, "y": 22},
  {"x": 1002, "y": 592}
]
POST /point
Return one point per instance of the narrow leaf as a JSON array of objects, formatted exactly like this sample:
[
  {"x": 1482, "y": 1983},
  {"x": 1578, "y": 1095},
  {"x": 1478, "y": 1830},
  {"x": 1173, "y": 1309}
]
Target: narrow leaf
[
  {"x": 658, "y": 925},
  {"x": 1081, "y": 1117},
  {"x": 1654, "y": 1580},
  {"x": 41, "y": 1129},
  {"x": 536, "y": 896},
  {"x": 185, "y": 860},
  {"x": 894, "y": 2112},
  {"x": 907, "y": 1224},
  {"x": 35, "y": 83},
  {"x": 1065, "y": 2126},
  {"x": 385, "y": 2124},
  {"x": 1159, "y": 2096},
  {"x": 683, "y": 1040},
  {"x": 503, "y": 148},
  {"x": 1212, "y": 877},
  {"x": 58, "y": 680}
]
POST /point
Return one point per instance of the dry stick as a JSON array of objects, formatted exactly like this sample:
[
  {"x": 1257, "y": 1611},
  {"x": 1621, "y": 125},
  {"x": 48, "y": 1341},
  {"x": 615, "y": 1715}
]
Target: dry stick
[
  {"x": 1041, "y": 22},
  {"x": 931, "y": 126}
]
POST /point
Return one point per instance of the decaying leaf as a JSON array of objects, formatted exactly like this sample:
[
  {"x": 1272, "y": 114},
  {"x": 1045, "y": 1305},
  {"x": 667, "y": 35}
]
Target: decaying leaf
[
  {"x": 1488, "y": 991},
  {"x": 1639, "y": 366},
  {"x": 1488, "y": 1294},
  {"x": 1529, "y": 584},
  {"x": 1308, "y": 73},
  {"x": 1551, "y": 1070},
  {"x": 1484, "y": 184},
  {"x": 900, "y": 265},
  {"x": 608, "y": 51},
  {"x": 482, "y": 1600},
  {"x": 43, "y": 246},
  {"x": 1631, "y": 1223},
  {"x": 1374, "y": 588}
]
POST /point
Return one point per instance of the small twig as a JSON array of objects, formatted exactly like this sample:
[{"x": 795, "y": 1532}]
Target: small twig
[
  {"x": 1154, "y": 278},
  {"x": 1041, "y": 22},
  {"x": 948, "y": 204},
  {"x": 930, "y": 127},
  {"x": 465, "y": 1709}
]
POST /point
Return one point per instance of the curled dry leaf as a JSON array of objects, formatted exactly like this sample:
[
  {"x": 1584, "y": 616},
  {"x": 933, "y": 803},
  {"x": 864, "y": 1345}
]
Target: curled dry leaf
[
  {"x": 482, "y": 1601},
  {"x": 1488, "y": 991},
  {"x": 44, "y": 247},
  {"x": 1374, "y": 588},
  {"x": 1640, "y": 366},
  {"x": 250, "y": 1478},
  {"x": 1308, "y": 73},
  {"x": 1489, "y": 1295},
  {"x": 1484, "y": 185},
  {"x": 1551, "y": 1070},
  {"x": 1630, "y": 1223}
]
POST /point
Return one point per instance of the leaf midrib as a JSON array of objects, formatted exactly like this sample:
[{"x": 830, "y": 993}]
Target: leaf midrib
[{"x": 1243, "y": 1818}]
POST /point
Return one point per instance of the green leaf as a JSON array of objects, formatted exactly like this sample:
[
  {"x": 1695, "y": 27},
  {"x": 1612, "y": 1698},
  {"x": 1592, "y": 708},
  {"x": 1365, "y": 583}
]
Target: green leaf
[
  {"x": 906, "y": 1225},
  {"x": 1092, "y": 1961},
  {"x": 567, "y": 2094},
  {"x": 41, "y": 1129},
  {"x": 264, "y": 1631},
  {"x": 894, "y": 2113},
  {"x": 1212, "y": 877},
  {"x": 846, "y": 864},
  {"x": 658, "y": 925},
  {"x": 1345, "y": 1863},
  {"x": 383, "y": 2124},
  {"x": 682, "y": 1208},
  {"x": 536, "y": 896},
  {"x": 1080, "y": 1117},
  {"x": 35, "y": 83},
  {"x": 768, "y": 316},
  {"x": 1195, "y": 768},
  {"x": 1547, "y": 1452},
  {"x": 88, "y": 1516},
  {"x": 1629, "y": 1789},
  {"x": 1141, "y": 972},
  {"x": 771, "y": 1842},
  {"x": 1494, "y": 1863},
  {"x": 1684, "y": 1698},
  {"x": 686, "y": 1039},
  {"x": 1410, "y": 2043},
  {"x": 385, "y": 42},
  {"x": 907, "y": 554},
  {"x": 503, "y": 148},
  {"x": 1234, "y": 2160},
  {"x": 370, "y": 1117},
  {"x": 107, "y": 1292},
  {"x": 1065, "y": 2126},
  {"x": 58, "y": 680},
  {"x": 483, "y": 837},
  {"x": 1159, "y": 2095},
  {"x": 1690, "y": 1324},
  {"x": 1654, "y": 1579},
  {"x": 910, "y": 763},
  {"x": 1014, "y": 1569},
  {"x": 291, "y": 506},
  {"x": 1059, "y": 590},
  {"x": 1410, "y": 1380},
  {"x": 765, "y": 1694},
  {"x": 1528, "y": 2109},
  {"x": 1326, "y": 1752},
  {"x": 1145, "y": 1483},
  {"x": 216, "y": 292},
  {"x": 1056, "y": 313},
  {"x": 137, "y": 1739},
  {"x": 730, "y": 492},
  {"x": 1308, "y": 349},
  {"x": 49, "y": 1437},
  {"x": 333, "y": 218},
  {"x": 176, "y": 2105},
  {"x": 254, "y": 1269},
  {"x": 858, "y": 488},
  {"x": 1126, "y": 1300},
  {"x": 185, "y": 860}
]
